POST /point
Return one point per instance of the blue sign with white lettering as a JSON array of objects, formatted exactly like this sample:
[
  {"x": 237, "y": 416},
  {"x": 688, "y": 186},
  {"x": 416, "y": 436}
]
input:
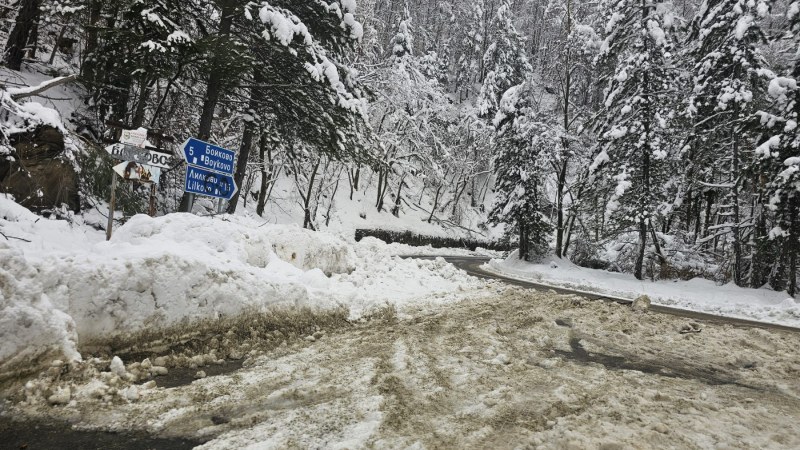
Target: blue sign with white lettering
[
  {"x": 213, "y": 184},
  {"x": 208, "y": 156}
]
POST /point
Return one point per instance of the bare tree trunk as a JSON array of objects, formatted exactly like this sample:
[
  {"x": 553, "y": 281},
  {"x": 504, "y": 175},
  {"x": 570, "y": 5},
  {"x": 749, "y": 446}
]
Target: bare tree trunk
[
  {"x": 265, "y": 152},
  {"x": 141, "y": 103},
  {"x": 397, "y": 200},
  {"x": 33, "y": 40},
  {"x": 562, "y": 173},
  {"x": 213, "y": 88},
  {"x": 89, "y": 65},
  {"x": 55, "y": 47},
  {"x": 20, "y": 33},
  {"x": 256, "y": 94},
  {"x": 435, "y": 202},
  {"x": 330, "y": 204},
  {"x": 163, "y": 99},
  {"x": 307, "y": 219},
  {"x": 637, "y": 270},
  {"x": 737, "y": 244}
]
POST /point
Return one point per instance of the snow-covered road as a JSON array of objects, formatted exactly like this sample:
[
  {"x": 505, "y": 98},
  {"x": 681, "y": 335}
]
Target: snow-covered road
[
  {"x": 476, "y": 266},
  {"x": 513, "y": 369}
]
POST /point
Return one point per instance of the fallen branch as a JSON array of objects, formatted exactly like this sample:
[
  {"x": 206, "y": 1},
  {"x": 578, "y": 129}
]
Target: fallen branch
[
  {"x": 30, "y": 91},
  {"x": 13, "y": 237}
]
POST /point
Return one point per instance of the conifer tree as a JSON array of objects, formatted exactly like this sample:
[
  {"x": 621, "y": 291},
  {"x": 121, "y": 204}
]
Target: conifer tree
[
  {"x": 520, "y": 166},
  {"x": 505, "y": 61},
  {"x": 779, "y": 163},
  {"x": 725, "y": 96},
  {"x": 636, "y": 147}
]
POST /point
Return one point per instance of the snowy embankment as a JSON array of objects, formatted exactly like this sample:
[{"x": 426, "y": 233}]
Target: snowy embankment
[
  {"x": 63, "y": 287},
  {"x": 694, "y": 295}
]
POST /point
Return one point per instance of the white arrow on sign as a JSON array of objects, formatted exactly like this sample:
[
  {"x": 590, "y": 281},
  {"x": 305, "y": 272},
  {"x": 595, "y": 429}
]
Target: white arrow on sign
[
  {"x": 130, "y": 170},
  {"x": 140, "y": 155}
]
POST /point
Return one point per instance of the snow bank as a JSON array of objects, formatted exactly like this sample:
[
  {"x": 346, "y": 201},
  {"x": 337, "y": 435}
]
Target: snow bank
[
  {"x": 381, "y": 278},
  {"x": 695, "y": 295},
  {"x": 30, "y": 326},
  {"x": 63, "y": 286},
  {"x": 396, "y": 248},
  {"x": 308, "y": 249}
]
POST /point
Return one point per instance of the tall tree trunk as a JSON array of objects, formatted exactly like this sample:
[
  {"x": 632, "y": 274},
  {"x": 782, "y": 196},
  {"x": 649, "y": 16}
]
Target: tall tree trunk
[
  {"x": 737, "y": 244},
  {"x": 256, "y": 96},
  {"x": 33, "y": 39},
  {"x": 307, "y": 219},
  {"x": 265, "y": 153},
  {"x": 88, "y": 66},
  {"x": 637, "y": 269},
  {"x": 562, "y": 173},
  {"x": 794, "y": 246},
  {"x": 523, "y": 239},
  {"x": 214, "y": 86},
  {"x": 164, "y": 96},
  {"x": 398, "y": 199},
  {"x": 20, "y": 33},
  {"x": 141, "y": 103}
]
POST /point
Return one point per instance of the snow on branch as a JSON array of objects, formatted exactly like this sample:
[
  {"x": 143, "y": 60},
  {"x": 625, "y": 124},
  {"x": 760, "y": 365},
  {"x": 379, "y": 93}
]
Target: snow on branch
[
  {"x": 30, "y": 91},
  {"x": 284, "y": 27}
]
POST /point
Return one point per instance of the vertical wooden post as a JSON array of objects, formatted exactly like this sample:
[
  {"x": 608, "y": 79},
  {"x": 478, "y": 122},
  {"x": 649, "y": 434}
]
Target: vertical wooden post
[
  {"x": 112, "y": 205},
  {"x": 190, "y": 202},
  {"x": 152, "y": 199}
]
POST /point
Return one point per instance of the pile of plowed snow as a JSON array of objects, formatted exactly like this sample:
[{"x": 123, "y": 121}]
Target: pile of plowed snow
[{"x": 62, "y": 286}]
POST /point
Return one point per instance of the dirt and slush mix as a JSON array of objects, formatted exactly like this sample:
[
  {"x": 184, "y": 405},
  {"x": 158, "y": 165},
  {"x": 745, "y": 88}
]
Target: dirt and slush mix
[{"x": 506, "y": 368}]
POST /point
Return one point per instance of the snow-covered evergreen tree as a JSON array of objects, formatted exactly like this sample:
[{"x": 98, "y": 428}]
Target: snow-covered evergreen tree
[
  {"x": 403, "y": 41},
  {"x": 468, "y": 64},
  {"x": 636, "y": 142},
  {"x": 725, "y": 96},
  {"x": 504, "y": 61},
  {"x": 779, "y": 163},
  {"x": 520, "y": 167}
]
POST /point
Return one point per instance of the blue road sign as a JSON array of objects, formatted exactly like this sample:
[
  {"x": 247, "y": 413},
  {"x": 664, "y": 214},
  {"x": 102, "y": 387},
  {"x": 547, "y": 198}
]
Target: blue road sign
[
  {"x": 205, "y": 182},
  {"x": 208, "y": 156}
]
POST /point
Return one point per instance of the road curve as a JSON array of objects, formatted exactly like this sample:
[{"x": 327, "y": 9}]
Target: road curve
[{"x": 472, "y": 266}]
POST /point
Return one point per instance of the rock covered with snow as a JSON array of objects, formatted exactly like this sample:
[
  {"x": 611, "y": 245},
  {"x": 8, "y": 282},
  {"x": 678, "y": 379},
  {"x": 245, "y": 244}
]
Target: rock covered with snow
[{"x": 641, "y": 303}]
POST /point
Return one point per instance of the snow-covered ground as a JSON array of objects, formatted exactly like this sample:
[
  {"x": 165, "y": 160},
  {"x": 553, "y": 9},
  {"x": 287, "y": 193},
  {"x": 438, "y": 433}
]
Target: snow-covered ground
[
  {"x": 695, "y": 295},
  {"x": 509, "y": 368},
  {"x": 64, "y": 288}
]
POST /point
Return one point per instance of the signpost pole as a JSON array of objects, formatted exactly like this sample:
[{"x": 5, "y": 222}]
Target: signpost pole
[
  {"x": 112, "y": 205},
  {"x": 191, "y": 203},
  {"x": 152, "y": 200}
]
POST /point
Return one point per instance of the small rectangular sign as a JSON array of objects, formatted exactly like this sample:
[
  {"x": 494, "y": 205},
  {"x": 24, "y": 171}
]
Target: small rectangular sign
[
  {"x": 137, "y": 138},
  {"x": 208, "y": 156},
  {"x": 133, "y": 171},
  {"x": 153, "y": 158},
  {"x": 205, "y": 182}
]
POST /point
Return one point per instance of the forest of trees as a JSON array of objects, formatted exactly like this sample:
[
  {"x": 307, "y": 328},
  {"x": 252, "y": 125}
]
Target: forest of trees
[{"x": 654, "y": 138}]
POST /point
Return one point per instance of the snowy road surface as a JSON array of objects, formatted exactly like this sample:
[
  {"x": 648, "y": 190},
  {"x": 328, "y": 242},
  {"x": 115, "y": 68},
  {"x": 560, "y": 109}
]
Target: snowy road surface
[
  {"x": 475, "y": 266},
  {"x": 516, "y": 368}
]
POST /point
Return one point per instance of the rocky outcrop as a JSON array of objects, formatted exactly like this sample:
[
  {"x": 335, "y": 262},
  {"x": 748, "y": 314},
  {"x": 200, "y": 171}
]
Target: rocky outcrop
[{"x": 37, "y": 174}]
